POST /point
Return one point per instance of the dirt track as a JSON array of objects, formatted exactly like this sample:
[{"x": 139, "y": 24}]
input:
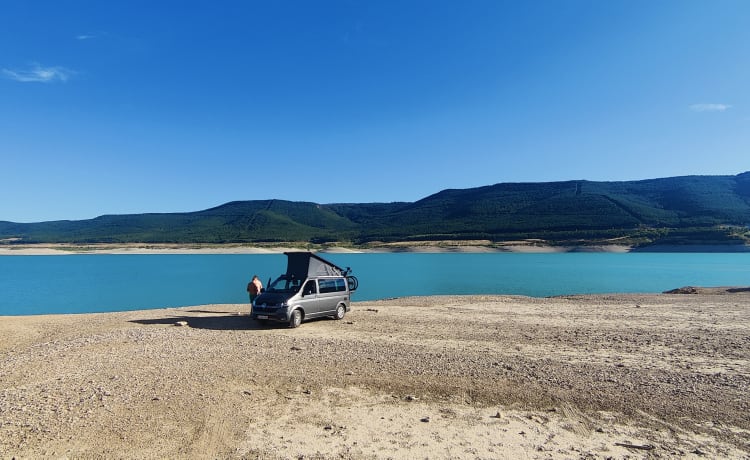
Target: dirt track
[{"x": 622, "y": 376}]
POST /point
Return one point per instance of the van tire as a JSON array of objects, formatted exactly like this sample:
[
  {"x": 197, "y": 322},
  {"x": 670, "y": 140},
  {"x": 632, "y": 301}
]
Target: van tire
[
  {"x": 340, "y": 312},
  {"x": 295, "y": 319}
]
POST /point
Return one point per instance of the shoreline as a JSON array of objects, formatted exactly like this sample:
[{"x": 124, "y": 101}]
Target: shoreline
[
  {"x": 687, "y": 291},
  {"x": 437, "y": 248},
  {"x": 594, "y": 376}
]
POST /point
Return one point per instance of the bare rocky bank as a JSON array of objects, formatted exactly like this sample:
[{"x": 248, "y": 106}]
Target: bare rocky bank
[{"x": 607, "y": 376}]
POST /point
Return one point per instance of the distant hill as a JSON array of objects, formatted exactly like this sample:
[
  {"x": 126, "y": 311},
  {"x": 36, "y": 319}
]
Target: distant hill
[{"x": 677, "y": 210}]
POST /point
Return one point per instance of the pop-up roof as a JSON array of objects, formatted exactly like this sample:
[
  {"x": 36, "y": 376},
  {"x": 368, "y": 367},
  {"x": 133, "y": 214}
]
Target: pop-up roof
[{"x": 304, "y": 264}]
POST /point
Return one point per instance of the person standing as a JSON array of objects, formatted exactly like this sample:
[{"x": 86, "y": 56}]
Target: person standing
[{"x": 253, "y": 288}]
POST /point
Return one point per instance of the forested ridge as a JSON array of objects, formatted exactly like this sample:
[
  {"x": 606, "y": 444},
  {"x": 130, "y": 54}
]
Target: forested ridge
[{"x": 677, "y": 210}]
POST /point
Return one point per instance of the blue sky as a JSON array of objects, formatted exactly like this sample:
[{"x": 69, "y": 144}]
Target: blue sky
[{"x": 115, "y": 107}]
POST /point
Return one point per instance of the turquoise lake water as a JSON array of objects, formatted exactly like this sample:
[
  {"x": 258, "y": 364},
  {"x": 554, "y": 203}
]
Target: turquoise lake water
[{"x": 100, "y": 282}]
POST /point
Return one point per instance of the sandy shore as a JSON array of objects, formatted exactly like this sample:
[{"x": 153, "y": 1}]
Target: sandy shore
[
  {"x": 65, "y": 249},
  {"x": 472, "y": 246},
  {"x": 616, "y": 376},
  {"x": 69, "y": 249},
  {"x": 425, "y": 247}
]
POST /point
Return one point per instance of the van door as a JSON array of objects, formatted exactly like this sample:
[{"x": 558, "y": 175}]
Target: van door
[
  {"x": 332, "y": 292},
  {"x": 309, "y": 298}
]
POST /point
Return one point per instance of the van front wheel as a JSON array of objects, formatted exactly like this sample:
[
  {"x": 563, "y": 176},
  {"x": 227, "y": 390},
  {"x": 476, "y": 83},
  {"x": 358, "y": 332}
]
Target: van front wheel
[
  {"x": 295, "y": 319},
  {"x": 340, "y": 312}
]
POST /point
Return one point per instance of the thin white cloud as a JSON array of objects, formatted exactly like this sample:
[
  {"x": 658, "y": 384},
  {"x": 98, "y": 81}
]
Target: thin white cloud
[
  {"x": 38, "y": 74},
  {"x": 709, "y": 107},
  {"x": 92, "y": 35}
]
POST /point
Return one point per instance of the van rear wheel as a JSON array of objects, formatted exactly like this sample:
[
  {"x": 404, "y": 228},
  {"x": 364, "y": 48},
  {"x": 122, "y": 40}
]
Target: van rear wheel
[
  {"x": 340, "y": 312},
  {"x": 295, "y": 319}
]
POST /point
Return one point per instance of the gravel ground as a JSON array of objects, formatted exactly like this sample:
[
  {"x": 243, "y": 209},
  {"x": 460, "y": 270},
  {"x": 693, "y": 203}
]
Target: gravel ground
[{"x": 613, "y": 376}]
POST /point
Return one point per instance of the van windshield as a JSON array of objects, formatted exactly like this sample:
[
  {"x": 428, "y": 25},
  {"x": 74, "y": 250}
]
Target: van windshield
[{"x": 285, "y": 284}]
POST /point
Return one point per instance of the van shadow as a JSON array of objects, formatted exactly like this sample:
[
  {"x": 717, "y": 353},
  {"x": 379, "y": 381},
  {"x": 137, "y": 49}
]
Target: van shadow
[{"x": 217, "y": 323}]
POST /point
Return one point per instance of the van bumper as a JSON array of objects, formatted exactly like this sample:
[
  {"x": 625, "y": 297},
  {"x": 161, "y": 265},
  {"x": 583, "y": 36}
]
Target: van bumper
[{"x": 276, "y": 314}]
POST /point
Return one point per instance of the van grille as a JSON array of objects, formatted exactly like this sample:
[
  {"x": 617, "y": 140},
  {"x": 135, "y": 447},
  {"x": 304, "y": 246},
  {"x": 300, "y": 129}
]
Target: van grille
[{"x": 266, "y": 307}]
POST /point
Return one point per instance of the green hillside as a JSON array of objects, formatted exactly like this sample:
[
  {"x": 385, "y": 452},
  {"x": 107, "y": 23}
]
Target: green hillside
[
  {"x": 685, "y": 210},
  {"x": 235, "y": 222}
]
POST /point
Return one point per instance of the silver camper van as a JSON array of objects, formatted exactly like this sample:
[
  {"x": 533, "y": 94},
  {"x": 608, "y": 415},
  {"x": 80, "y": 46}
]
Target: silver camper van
[{"x": 312, "y": 287}]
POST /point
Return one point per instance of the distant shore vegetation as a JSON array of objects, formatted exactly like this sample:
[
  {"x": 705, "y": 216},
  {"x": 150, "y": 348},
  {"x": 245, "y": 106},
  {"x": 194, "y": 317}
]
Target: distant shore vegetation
[{"x": 679, "y": 211}]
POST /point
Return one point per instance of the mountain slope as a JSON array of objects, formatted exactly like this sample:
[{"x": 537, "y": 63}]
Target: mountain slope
[{"x": 701, "y": 208}]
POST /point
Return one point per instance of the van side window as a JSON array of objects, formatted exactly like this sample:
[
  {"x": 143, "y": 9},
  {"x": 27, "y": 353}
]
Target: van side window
[
  {"x": 310, "y": 288},
  {"x": 327, "y": 286},
  {"x": 332, "y": 285}
]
